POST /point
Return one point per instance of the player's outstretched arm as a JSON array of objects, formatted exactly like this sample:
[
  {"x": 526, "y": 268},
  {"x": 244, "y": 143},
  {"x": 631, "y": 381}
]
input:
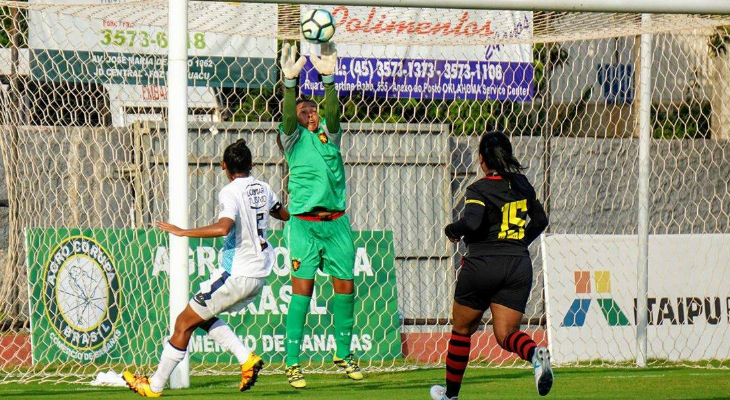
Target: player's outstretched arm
[
  {"x": 291, "y": 67},
  {"x": 220, "y": 228},
  {"x": 326, "y": 66}
]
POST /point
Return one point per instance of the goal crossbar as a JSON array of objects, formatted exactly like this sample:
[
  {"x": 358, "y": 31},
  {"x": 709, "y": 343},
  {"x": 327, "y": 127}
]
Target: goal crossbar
[{"x": 704, "y": 7}]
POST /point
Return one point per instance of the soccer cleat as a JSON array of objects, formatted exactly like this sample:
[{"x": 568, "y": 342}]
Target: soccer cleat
[
  {"x": 439, "y": 393},
  {"x": 349, "y": 364},
  {"x": 543, "y": 371},
  {"x": 295, "y": 377},
  {"x": 250, "y": 372},
  {"x": 139, "y": 384}
]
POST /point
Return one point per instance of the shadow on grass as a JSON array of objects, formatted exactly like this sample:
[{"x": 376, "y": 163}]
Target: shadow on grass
[
  {"x": 634, "y": 371},
  {"x": 57, "y": 392},
  {"x": 345, "y": 387}
]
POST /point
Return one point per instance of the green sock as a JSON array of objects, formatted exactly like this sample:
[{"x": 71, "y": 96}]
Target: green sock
[
  {"x": 298, "y": 308},
  {"x": 344, "y": 309}
]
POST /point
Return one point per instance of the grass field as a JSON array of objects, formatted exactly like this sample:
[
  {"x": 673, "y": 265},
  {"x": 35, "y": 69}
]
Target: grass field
[{"x": 571, "y": 383}]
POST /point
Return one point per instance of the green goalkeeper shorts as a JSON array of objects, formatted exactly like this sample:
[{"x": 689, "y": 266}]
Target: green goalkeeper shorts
[{"x": 324, "y": 245}]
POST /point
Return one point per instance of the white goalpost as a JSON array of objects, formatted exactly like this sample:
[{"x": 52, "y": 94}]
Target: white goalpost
[
  {"x": 178, "y": 172},
  {"x": 642, "y": 263},
  {"x": 618, "y": 109}
]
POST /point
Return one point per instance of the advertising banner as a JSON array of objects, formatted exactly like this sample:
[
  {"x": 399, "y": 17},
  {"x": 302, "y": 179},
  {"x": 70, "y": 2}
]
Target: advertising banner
[
  {"x": 114, "y": 47},
  {"x": 101, "y": 295},
  {"x": 592, "y": 284},
  {"x": 458, "y": 71}
]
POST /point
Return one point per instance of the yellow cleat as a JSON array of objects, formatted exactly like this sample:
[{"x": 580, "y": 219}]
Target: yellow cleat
[
  {"x": 295, "y": 377},
  {"x": 349, "y": 364},
  {"x": 250, "y": 372},
  {"x": 139, "y": 384}
]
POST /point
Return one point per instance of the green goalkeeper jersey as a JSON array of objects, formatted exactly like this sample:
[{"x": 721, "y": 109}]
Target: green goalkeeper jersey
[{"x": 316, "y": 170}]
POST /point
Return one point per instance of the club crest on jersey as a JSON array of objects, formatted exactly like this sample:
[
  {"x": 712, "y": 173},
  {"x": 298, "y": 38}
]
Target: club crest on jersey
[
  {"x": 295, "y": 264},
  {"x": 323, "y": 138}
]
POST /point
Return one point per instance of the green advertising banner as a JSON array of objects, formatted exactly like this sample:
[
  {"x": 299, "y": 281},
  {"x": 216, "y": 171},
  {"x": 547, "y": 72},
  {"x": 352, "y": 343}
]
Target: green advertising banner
[
  {"x": 148, "y": 69},
  {"x": 101, "y": 295}
]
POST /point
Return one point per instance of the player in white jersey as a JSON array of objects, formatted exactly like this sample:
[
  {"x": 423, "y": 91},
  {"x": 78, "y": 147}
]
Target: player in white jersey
[{"x": 246, "y": 260}]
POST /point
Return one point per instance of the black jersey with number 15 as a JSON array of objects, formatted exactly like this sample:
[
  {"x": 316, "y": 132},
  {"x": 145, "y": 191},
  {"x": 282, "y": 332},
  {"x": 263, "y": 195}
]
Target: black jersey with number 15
[{"x": 495, "y": 220}]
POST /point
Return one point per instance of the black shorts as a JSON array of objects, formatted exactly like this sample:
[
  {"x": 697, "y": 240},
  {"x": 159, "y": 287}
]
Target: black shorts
[{"x": 504, "y": 280}]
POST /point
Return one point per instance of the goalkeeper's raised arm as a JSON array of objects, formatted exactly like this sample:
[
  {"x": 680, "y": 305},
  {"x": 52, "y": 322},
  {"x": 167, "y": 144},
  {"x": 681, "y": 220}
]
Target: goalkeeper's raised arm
[
  {"x": 291, "y": 67},
  {"x": 326, "y": 65},
  {"x": 304, "y": 112}
]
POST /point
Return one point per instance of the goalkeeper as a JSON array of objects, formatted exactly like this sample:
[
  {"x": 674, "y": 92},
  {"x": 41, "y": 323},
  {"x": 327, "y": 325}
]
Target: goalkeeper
[{"x": 319, "y": 236}]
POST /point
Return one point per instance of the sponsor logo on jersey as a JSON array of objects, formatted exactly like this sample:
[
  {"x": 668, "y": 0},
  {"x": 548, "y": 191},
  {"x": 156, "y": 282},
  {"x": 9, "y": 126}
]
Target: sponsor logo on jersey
[{"x": 256, "y": 195}]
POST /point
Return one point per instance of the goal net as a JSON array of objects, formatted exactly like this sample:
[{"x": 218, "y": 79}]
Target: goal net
[{"x": 84, "y": 282}]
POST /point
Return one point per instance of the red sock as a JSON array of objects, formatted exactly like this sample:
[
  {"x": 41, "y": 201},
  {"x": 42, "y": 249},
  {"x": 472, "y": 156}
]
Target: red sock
[
  {"x": 521, "y": 344},
  {"x": 456, "y": 360}
]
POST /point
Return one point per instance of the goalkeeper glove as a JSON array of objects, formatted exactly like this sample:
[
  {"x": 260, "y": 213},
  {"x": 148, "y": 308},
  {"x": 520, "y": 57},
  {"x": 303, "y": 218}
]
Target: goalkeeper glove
[
  {"x": 289, "y": 67},
  {"x": 326, "y": 64}
]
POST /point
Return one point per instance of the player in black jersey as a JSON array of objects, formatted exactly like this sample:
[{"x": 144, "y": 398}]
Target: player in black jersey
[{"x": 497, "y": 272}]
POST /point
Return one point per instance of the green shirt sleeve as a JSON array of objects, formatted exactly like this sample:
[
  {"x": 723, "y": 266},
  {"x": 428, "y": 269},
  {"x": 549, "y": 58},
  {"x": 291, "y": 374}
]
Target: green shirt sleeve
[
  {"x": 289, "y": 128},
  {"x": 289, "y": 111},
  {"x": 332, "y": 108}
]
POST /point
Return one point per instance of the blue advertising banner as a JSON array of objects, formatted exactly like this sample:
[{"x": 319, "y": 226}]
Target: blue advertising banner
[
  {"x": 408, "y": 69},
  {"x": 431, "y": 79}
]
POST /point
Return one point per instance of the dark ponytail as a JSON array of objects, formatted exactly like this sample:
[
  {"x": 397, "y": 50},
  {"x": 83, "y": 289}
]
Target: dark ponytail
[
  {"x": 238, "y": 158},
  {"x": 496, "y": 150}
]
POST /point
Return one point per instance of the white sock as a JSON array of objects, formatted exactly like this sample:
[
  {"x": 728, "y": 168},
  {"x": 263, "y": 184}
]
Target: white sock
[
  {"x": 169, "y": 359},
  {"x": 227, "y": 339}
]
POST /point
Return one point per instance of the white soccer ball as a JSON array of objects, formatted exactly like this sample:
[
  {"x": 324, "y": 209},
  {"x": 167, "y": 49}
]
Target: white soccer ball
[{"x": 318, "y": 26}]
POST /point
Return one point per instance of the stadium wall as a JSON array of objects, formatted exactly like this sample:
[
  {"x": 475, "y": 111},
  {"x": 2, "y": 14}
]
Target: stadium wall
[{"x": 398, "y": 181}]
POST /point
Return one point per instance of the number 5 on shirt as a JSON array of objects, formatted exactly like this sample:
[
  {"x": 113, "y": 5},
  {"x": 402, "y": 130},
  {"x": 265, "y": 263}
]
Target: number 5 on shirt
[{"x": 513, "y": 225}]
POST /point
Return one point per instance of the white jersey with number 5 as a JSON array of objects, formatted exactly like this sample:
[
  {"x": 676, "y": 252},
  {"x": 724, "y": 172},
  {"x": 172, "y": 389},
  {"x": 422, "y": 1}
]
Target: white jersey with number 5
[{"x": 246, "y": 251}]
